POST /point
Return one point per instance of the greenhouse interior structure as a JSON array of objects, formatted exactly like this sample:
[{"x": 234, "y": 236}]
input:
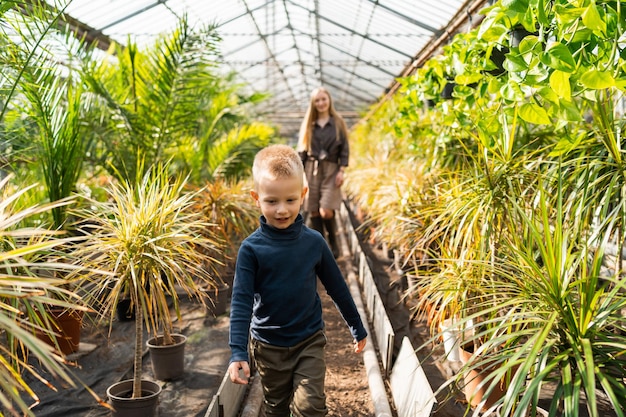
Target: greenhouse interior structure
[{"x": 482, "y": 222}]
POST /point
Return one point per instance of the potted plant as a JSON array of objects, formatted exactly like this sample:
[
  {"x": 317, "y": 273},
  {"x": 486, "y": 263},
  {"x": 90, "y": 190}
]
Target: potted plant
[
  {"x": 226, "y": 205},
  {"x": 52, "y": 99},
  {"x": 28, "y": 261},
  {"x": 150, "y": 246},
  {"x": 560, "y": 321}
]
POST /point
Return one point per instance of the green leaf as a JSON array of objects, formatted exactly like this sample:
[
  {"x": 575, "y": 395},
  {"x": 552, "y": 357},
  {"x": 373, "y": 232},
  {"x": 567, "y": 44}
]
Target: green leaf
[
  {"x": 621, "y": 83},
  {"x": 542, "y": 18},
  {"x": 566, "y": 14},
  {"x": 569, "y": 111},
  {"x": 466, "y": 79},
  {"x": 559, "y": 81},
  {"x": 533, "y": 113},
  {"x": 592, "y": 19},
  {"x": 515, "y": 63},
  {"x": 511, "y": 91},
  {"x": 597, "y": 80},
  {"x": 565, "y": 144},
  {"x": 559, "y": 57},
  {"x": 548, "y": 95},
  {"x": 520, "y": 6},
  {"x": 581, "y": 35}
]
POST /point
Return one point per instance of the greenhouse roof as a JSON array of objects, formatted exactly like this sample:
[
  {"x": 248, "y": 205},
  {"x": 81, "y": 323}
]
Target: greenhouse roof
[{"x": 355, "y": 48}]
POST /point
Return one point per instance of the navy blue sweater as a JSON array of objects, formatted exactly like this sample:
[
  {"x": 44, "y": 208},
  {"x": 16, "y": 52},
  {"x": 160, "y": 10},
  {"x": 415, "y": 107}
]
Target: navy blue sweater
[{"x": 275, "y": 288}]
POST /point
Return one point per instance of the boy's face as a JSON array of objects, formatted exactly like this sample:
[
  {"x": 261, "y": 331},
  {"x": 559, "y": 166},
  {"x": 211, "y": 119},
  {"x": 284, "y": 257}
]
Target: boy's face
[{"x": 279, "y": 200}]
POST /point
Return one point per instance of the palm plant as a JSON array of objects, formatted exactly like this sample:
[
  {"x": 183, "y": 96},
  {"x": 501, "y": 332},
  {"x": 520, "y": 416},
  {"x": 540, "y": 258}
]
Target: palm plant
[
  {"x": 152, "y": 245},
  {"x": 177, "y": 108},
  {"x": 27, "y": 253},
  {"x": 32, "y": 29},
  {"x": 57, "y": 106},
  {"x": 39, "y": 88},
  {"x": 153, "y": 96}
]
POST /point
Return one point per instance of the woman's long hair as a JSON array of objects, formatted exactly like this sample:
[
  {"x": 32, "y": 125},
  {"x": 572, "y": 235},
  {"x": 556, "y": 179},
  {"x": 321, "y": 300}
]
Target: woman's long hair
[{"x": 311, "y": 115}]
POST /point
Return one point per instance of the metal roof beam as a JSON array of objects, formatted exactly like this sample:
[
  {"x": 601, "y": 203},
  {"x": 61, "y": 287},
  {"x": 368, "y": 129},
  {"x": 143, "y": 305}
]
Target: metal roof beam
[
  {"x": 369, "y": 63},
  {"x": 246, "y": 13},
  {"x": 347, "y": 29},
  {"x": 269, "y": 51},
  {"x": 66, "y": 22},
  {"x": 355, "y": 74},
  {"x": 316, "y": 16},
  {"x": 305, "y": 65},
  {"x": 402, "y": 16},
  {"x": 133, "y": 14},
  {"x": 264, "y": 61},
  {"x": 295, "y": 44},
  {"x": 330, "y": 80},
  {"x": 244, "y": 46}
]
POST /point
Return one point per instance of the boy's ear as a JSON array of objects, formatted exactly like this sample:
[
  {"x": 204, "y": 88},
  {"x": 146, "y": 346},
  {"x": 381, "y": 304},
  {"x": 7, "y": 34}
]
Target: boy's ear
[
  {"x": 305, "y": 190},
  {"x": 255, "y": 195}
]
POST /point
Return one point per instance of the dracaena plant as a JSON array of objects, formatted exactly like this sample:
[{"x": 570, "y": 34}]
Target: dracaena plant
[
  {"x": 150, "y": 245},
  {"x": 29, "y": 258},
  {"x": 559, "y": 319},
  {"x": 228, "y": 209}
]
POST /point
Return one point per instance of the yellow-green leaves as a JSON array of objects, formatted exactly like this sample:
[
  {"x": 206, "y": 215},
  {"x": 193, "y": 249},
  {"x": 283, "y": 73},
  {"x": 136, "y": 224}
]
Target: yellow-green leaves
[
  {"x": 559, "y": 57},
  {"x": 533, "y": 113},
  {"x": 560, "y": 84},
  {"x": 591, "y": 18},
  {"x": 597, "y": 80}
]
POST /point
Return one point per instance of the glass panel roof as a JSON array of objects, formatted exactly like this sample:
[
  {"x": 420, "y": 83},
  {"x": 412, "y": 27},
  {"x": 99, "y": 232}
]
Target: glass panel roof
[{"x": 355, "y": 48}]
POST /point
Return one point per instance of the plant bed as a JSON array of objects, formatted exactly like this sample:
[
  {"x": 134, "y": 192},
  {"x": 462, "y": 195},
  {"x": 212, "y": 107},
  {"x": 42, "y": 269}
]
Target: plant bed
[{"x": 111, "y": 361}]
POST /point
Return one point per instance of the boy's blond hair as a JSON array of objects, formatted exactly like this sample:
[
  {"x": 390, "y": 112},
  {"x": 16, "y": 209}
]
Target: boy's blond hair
[{"x": 277, "y": 161}]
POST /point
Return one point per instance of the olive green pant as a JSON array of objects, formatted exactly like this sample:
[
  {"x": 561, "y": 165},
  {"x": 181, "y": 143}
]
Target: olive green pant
[{"x": 293, "y": 376}]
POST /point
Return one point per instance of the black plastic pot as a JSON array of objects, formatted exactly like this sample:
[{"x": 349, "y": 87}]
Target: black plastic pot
[
  {"x": 123, "y": 405},
  {"x": 168, "y": 361},
  {"x": 219, "y": 299},
  {"x": 124, "y": 311},
  {"x": 498, "y": 56},
  {"x": 446, "y": 93}
]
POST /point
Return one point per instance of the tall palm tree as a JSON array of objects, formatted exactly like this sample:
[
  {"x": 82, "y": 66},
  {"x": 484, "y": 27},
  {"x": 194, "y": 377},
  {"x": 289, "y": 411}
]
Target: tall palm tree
[
  {"x": 167, "y": 102},
  {"x": 48, "y": 94}
]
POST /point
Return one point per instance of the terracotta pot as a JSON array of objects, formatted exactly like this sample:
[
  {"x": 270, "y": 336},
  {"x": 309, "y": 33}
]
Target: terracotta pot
[
  {"x": 168, "y": 361},
  {"x": 67, "y": 325},
  {"x": 473, "y": 378},
  {"x": 123, "y": 405}
]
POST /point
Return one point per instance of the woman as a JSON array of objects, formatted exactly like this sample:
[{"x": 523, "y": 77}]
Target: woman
[{"x": 323, "y": 147}]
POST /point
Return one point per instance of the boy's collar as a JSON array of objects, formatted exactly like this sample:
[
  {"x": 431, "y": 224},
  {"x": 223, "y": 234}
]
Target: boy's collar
[{"x": 289, "y": 233}]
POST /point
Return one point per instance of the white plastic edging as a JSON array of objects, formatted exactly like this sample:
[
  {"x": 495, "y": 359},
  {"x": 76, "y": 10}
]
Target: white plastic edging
[
  {"x": 412, "y": 393},
  {"x": 227, "y": 401},
  {"x": 370, "y": 360},
  {"x": 374, "y": 376}
]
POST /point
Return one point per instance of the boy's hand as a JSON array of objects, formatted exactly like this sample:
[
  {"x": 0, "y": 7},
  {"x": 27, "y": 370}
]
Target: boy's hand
[
  {"x": 235, "y": 375},
  {"x": 360, "y": 345}
]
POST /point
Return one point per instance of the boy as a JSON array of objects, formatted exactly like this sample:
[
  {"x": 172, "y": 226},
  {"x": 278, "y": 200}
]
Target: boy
[{"x": 275, "y": 298}]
